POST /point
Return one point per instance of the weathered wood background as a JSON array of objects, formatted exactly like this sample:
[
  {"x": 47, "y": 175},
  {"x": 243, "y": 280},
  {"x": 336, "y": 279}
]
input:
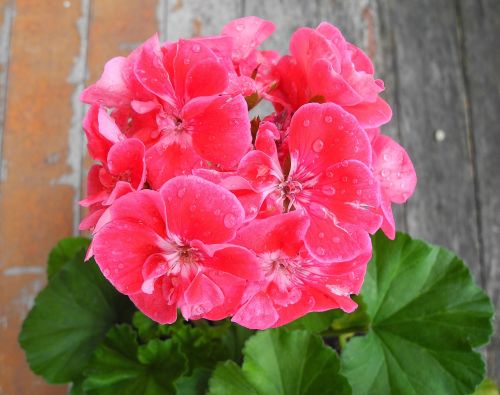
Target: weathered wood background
[{"x": 440, "y": 60}]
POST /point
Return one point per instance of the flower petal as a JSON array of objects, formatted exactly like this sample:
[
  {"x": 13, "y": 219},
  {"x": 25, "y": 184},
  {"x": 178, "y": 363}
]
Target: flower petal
[
  {"x": 200, "y": 210},
  {"x": 120, "y": 248},
  {"x": 371, "y": 115},
  {"x": 155, "y": 305},
  {"x": 257, "y": 313},
  {"x": 220, "y": 128},
  {"x": 201, "y": 297},
  {"x": 324, "y": 134}
]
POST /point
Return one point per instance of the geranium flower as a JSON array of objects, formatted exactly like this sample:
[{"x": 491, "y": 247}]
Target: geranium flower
[
  {"x": 396, "y": 176},
  {"x": 329, "y": 178},
  {"x": 122, "y": 169},
  {"x": 169, "y": 250},
  {"x": 180, "y": 90},
  {"x": 324, "y": 67},
  {"x": 295, "y": 283},
  {"x": 249, "y": 33}
]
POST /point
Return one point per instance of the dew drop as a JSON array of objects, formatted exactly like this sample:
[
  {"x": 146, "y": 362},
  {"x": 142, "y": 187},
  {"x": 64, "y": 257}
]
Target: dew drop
[
  {"x": 120, "y": 266},
  {"x": 385, "y": 173},
  {"x": 106, "y": 272},
  {"x": 306, "y": 123},
  {"x": 321, "y": 235},
  {"x": 320, "y": 251},
  {"x": 229, "y": 220},
  {"x": 240, "y": 27},
  {"x": 344, "y": 163},
  {"x": 336, "y": 239},
  {"x": 187, "y": 61},
  {"x": 345, "y": 179},
  {"x": 354, "y": 181},
  {"x": 318, "y": 145},
  {"x": 328, "y": 190},
  {"x": 181, "y": 192},
  {"x": 386, "y": 157},
  {"x": 328, "y": 119},
  {"x": 196, "y": 48},
  {"x": 192, "y": 208},
  {"x": 359, "y": 192},
  {"x": 217, "y": 212}
]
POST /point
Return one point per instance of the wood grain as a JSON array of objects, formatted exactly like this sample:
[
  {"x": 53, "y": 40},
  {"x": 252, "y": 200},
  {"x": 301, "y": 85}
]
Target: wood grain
[
  {"x": 37, "y": 192},
  {"x": 191, "y": 18},
  {"x": 479, "y": 24}
]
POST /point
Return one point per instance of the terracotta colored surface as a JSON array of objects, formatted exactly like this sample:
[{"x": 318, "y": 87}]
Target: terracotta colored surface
[{"x": 42, "y": 146}]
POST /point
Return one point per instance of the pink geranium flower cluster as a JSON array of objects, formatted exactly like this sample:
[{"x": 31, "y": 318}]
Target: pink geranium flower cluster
[{"x": 195, "y": 207}]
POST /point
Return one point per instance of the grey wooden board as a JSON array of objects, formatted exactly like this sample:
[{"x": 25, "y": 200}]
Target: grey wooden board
[
  {"x": 188, "y": 18},
  {"x": 480, "y": 28}
]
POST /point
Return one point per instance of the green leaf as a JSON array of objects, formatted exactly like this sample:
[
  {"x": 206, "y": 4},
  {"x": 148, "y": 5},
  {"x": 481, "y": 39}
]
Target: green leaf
[
  {"x": 228, "y": 379},
  {"x": 281, "y": 362},
  {"x": 487, "y": 387},
  {"x": 234, "y": 339},
  {"x": 121, "y": 366},
  {"x": 69, "y": 319},
  {"x": 426, "y": 316},
  {"x": 146, "y": 327},
  {"x": 315, "y": 322},
  {"x": 196, "y": 384},
  {"x": 64, "y": 252}
]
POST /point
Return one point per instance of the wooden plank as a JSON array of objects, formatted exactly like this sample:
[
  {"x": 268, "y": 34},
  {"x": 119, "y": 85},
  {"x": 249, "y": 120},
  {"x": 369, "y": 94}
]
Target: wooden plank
[
  {"x": 479, "y": 25},
  {"x": 362, "y": 22},
  {"x": 41, "y": 164},
  {"x": 432, "y": 117},
  {"x": 190, "y": 18}
]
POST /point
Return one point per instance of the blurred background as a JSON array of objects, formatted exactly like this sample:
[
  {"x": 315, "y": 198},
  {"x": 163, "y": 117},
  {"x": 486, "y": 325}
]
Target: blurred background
[{"x": 440, "y": 61}]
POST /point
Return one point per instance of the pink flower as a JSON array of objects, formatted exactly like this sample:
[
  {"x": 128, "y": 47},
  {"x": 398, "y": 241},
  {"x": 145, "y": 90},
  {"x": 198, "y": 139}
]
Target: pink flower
[
  {"x": 329, "y": 178},
  {"x": 324, "y": 67},
  {"x": 177, "y": 96},
  {"x": 122, "y": 169},
  {"x": 169, "y": 250},
  {"x": 294, "y": 283},
  {"x": 396, "y": 176},
  {"x": 248, "y": 34}
]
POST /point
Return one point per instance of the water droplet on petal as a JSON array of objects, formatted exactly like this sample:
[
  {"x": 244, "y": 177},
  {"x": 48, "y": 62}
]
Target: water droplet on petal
[
  {"x": 344, "y": 163},
  {"x": 345, "y": 179},
  {"x": 318, "y": 145},
  {"x": 240, "y": 27},
  {"x": 328, "y": 119},
  {"x": 336, "y": 239},
  {"x": 359, "y": 192},
  {"x": 328, "y": 190},
  {"x": 187, "y": 61},
  {"x": 106, "y": 272},
  {"x": 196, "y": 48},
  {"x": 192, "y": 208},
  {"x": 320, "y": 251},
  {"x": 321, "y": 235},
  {"x": 229, "y": 220},
  {"x": 385, "y": 173},
  {"x": 181, "y": 192},
  {"x": 306, "y": 122},
  {"x": 354, "y": 181},
  {"x": 217, "y": 212}
]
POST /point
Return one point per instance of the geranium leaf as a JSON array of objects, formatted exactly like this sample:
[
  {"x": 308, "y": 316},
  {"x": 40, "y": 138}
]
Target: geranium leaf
[
  {"x": 64, "y": 252},
  {"x": 279, "y": 362},
  {"x": 427, "y": 315},
  {"x": 121, "y": 366},
  {"x": 195, "y": 384},
  {"x": 69, "y": 319}
]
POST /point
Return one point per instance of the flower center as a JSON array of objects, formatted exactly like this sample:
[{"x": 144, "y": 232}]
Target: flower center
[
  {"x": 173, "y": 130},
  {"x": 289, "y": 190}
]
